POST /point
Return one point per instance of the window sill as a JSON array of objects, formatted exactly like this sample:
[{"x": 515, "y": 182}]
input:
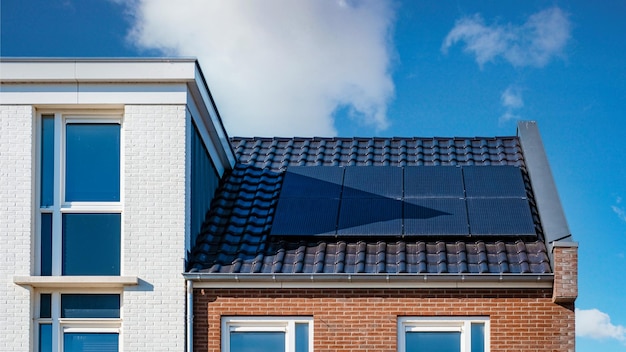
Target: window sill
[{"x": 76, "y": 281}]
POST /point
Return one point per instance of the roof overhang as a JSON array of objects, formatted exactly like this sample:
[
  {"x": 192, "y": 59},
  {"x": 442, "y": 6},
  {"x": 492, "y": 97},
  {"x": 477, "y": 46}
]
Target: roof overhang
[
  {"x": 378, "y": 281},
  {"x": 101, "y": 83}
]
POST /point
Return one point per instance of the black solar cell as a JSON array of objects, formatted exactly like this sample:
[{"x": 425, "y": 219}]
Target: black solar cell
[
  {"x": 500, "y": 216},
  {"x": 435, "y": 216},
  {"x": 493, "y": 181},
  {"x": 443, "y": 181}
]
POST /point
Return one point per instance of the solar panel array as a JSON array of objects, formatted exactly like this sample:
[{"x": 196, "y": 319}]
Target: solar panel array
[{"x": 403, "y": 201}]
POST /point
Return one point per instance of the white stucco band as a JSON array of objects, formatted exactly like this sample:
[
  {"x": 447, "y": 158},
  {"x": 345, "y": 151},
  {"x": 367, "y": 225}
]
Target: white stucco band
[{"x": 76, "y": 281}]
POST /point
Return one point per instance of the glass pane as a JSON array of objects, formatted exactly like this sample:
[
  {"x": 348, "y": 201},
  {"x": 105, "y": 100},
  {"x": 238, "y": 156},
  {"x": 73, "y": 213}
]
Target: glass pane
[
  {"x": 90, "y": 306},
  {"x": 45, "y": 338},
  {"x": 91, "y": 244},
  {"x": 302, "y": 337},
  {"x": 257, "y": 341},
  {"x": 90, "y": 342},
  {"x": 46, "y": 245},
  {"x": 444, "y": 341},
  {"x": 92, "y": 169},
  {"x": 45, "y": 300},
  {"x": 47, "y": 160},
  {"x": 478, "y": 337}
]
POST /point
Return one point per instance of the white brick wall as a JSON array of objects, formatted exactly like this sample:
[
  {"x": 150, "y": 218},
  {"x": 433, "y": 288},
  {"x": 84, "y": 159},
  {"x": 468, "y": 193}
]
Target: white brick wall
[
  {"x": 154, "y": 227},
  {"x": 16, "y": 209}
]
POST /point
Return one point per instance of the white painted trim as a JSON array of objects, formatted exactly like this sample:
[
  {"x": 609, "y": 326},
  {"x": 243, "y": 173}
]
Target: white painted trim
[
  {"x": 78, "y": 282},
  {"x": 440, "y": 324},
  {"x": 286, "y": 324}
]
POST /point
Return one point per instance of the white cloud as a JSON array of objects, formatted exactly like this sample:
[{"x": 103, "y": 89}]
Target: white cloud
[
  {"x": 512, "y": 101},
  {"x": 280, "y": 67},
  {"x": 595, "y": 324},
  {"x": 543, "y": 36},
  {"x": 618, "y": 209}
]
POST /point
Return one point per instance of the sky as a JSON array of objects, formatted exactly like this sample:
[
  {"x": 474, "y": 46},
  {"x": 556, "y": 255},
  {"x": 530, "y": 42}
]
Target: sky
[{"x": 398, "y": 68}]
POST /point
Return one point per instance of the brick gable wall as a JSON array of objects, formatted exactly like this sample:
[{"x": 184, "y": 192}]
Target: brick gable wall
[{"x": 366, "y": 320}]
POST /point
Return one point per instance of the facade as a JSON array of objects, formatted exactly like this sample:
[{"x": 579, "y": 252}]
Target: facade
[
  {"x": 136, "y": 224},
  {"x": 107, "y": 170}
]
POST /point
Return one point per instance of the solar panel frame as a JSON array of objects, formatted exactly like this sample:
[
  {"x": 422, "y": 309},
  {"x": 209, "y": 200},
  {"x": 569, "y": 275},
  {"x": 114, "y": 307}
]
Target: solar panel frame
[
  {"x": 313, "y": 182},
  {"x": 370, "y": 217},
  {"x": 435, "y": 217},
  {"x": 435, "y": 182},
  {"x": 493, "y": 181},
  {"x": 305, "y": 217},
  {"x": 500, "y": 217},
  {"x": 373, "y": 182}
]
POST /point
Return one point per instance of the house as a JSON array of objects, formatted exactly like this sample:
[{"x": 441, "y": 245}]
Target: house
[
  {"x": 386, "y": 244},
  {"x": 200, "y": 242},
  {"x": 107, "y": 170}
]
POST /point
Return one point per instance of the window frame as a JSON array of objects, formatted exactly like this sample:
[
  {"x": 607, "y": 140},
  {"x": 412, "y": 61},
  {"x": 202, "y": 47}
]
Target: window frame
[
  {"x": 60, "y": 326},
  {"x": 444, "y": 324},
  {"x": 60, "y": 206},
  {"x": 285, "y": 324}
]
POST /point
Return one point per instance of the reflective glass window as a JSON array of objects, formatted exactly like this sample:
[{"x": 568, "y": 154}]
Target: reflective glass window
[
  {"x": 91, "y": 244},
  {"x": 92, "y": 163}
]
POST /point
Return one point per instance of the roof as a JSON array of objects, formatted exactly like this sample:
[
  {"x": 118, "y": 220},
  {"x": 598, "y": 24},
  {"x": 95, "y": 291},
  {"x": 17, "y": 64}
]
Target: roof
[{"x": 236, "y": 239}]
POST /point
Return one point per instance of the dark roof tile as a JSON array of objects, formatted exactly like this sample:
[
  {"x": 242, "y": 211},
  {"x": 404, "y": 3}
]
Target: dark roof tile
[{"x": 235, "y": 236}]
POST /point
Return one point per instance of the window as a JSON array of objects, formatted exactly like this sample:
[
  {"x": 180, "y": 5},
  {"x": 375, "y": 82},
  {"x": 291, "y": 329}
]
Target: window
[
  {"x": 74, "y": 322},
  {"x": 266, "y": 334},
  {"x": 79, "y": 195},
  {"x": 457, "y": 334}
]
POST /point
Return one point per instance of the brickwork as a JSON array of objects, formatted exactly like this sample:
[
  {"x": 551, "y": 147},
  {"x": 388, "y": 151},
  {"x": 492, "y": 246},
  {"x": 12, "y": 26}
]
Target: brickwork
[
  {"x": 16, "y": 207},
  {"x": 366, "y": 320},
  {"x": 565, "y": 273},
  {"x": 154, "y": 227}
]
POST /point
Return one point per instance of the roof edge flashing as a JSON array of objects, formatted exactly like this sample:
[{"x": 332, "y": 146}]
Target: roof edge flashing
[{"x": 551, "y": 211}]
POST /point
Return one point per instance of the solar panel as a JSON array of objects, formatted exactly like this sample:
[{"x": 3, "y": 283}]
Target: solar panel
[
  {"x": 493, "y": 181},
  {"x": 500, "y": 216},
  {"x": 373, "y": 182},
  {"x": 435, "y": 216},
  {"x": 310, "y": 181},
  {"x": 424, "y": 181},
  {"x": 305, "y": 216},
  {"x": 410, "y": 201},
  {"x": 370, "y": 216}
]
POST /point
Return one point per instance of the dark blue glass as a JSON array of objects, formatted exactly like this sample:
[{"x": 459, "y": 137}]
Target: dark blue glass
[
  {"x": 45, "y": 338},
  {"x": 478, "y": 337},
  {"x": 92, "y": 170},
  {"x": 47, "y": 160},
  {"x": 91, "y": 244},
  {"x": 302, "y": 337},
  {"x": 46, "y": 245},
  {"x": 85, "y": 342},
  {"x": 440, "y": 341},
  {"x": 90, "y": 306},
  {"x": 257, "y": 341},
  {"x": 45, "y": 310}
]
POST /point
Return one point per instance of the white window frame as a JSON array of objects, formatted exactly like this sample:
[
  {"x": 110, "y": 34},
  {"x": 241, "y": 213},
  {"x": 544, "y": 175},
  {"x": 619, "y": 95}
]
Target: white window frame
[
  {"x": 60, "y": 326},
  {"x": 446, "y": 324},
  {"x": 260, "y": 324},
  {"x": 59, "y": 205}
]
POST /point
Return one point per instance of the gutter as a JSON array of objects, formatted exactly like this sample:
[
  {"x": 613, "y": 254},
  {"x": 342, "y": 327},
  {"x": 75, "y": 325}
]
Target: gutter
[{"x": 376, "y": 281}]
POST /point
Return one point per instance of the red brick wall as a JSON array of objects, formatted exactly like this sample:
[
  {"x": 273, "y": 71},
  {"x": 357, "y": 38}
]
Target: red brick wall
[
  {"x": 348, "y": 320},
  {"x": 565, "y": 273}
]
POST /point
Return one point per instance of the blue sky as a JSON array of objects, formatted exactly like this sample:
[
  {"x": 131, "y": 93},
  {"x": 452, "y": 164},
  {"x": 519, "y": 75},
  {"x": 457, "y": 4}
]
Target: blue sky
[{"x": 422, "y": 68}]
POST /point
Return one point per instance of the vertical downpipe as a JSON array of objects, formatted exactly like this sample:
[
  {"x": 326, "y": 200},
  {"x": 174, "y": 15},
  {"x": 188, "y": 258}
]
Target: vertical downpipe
[{"x": 189, "y": 316}]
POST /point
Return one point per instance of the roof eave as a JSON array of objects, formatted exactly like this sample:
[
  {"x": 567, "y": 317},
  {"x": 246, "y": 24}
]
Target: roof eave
[{"x": 380, "y": 281}]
